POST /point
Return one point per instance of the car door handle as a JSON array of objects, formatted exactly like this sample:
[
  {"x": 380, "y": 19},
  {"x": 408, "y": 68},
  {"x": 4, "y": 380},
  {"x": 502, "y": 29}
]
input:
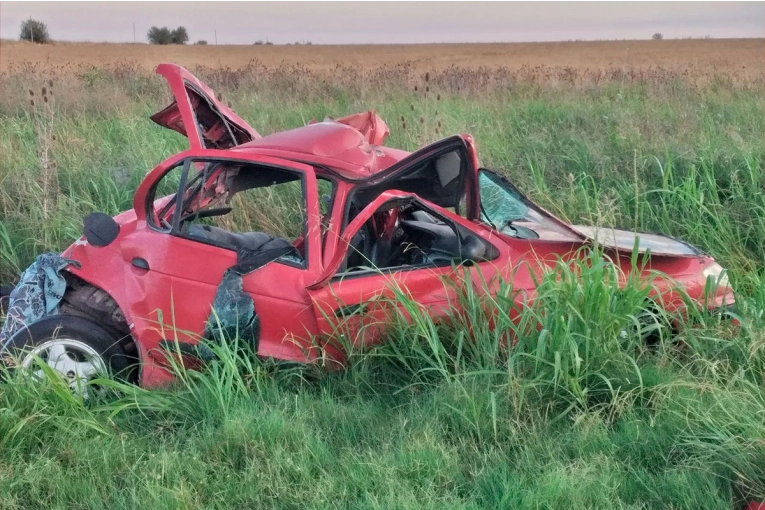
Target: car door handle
[{"x": 140, "y": 263}]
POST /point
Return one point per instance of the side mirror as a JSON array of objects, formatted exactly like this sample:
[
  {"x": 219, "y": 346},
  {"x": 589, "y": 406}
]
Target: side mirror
[
  {"x": 100, "y": 229},
  {"x": 473, "y": 248}
]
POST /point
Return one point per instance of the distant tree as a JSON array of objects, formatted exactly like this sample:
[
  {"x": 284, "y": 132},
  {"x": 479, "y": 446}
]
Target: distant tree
[
  {"x": 179, "y": 36},
  {"x": 201, "y": 42},
  {"x": 157, "y": 35},
  {"x": 258, "y": 43},
  {"x": 163, "y": 35},
  {"x": 657, "y": 36},
  {"x": 269, "y": 43},
  {"x": 34, "y": 31}
]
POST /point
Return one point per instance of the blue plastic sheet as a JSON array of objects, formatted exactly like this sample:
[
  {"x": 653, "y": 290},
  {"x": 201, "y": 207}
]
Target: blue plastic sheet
[
  {"x": 233, "y": 313},
  {"x": 37, "y": 294}
]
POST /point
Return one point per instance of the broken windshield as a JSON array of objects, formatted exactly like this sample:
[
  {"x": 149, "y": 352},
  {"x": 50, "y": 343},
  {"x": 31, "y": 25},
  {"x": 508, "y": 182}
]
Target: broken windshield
[
  {"x": 507, "y": 210},
  {"x": 499, "y": 206}
]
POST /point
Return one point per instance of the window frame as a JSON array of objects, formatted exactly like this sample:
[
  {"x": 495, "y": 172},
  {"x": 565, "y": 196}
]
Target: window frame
[
  {"x": 186, "y": 163},
  {"x": 468, "y": 187},
  {"x": 376, "y": 271}
]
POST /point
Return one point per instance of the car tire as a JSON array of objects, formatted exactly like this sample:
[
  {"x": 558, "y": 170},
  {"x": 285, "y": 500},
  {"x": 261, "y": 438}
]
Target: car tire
[
  {"x": 654, "y": 326},
  {"x": 76, "y": 347}
]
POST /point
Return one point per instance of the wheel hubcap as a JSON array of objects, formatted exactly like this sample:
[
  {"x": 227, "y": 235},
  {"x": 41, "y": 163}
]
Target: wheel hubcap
[
  {"x": 75, "y": 361},
  {"x": 650, "y": 325}
]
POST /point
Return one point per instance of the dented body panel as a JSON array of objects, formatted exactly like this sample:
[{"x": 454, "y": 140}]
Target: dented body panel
[{"x": 165, "y": 277}]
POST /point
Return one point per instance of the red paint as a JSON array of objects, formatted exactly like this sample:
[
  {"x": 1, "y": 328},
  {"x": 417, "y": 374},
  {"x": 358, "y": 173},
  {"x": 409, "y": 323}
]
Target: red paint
[{"x": 173, "y": 298}]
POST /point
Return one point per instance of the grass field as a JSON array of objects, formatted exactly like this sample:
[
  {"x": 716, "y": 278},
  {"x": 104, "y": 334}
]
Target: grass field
[{"x": 574, "y": 416}]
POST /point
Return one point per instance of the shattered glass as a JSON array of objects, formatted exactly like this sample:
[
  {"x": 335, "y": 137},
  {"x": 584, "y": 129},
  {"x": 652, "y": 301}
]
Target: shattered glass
[{"x": 498, "y": 205}]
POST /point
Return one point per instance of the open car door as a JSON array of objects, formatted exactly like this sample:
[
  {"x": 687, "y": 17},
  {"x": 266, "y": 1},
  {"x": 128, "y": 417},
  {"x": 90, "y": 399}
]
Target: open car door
[
  {"x": 198, "y": 115},
  {"x": 443, "y": 173},
  {"x": 420, "y": 261}
]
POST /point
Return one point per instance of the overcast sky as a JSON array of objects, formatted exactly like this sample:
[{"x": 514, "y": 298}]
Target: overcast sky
[{"x": 388, "y": 22}]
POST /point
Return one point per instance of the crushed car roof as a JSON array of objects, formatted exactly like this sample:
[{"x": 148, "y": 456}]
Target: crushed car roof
[
  {"x": 352, "y": 146},
  {"x": 329, "y": 143}
]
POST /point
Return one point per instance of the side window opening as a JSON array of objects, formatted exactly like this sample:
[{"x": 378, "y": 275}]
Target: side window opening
[
  {"x": 247, "y": 208},
  {"x": 411, "y": 235},
  {"x": 326, "y": 189},
  {"x": 164, "y": 195}
]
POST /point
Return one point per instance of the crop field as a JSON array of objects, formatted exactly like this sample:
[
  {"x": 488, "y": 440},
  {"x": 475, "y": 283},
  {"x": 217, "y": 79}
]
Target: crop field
[
  {"x": 742, "y": 57},
  {"x": 657, "y": 136}
]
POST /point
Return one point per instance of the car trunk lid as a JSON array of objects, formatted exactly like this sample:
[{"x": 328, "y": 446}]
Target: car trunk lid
[{"x": 198, "y": 115}]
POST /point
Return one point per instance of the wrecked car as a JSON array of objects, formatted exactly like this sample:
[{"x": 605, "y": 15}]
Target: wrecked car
[{"x": 277, "y": 238}]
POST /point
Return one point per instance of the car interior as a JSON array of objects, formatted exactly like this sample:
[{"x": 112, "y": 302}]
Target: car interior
[
  {"x": 261, "y": 216},
  {"x": 223, "y": 205},
  {"x": 410, "y": 234}
]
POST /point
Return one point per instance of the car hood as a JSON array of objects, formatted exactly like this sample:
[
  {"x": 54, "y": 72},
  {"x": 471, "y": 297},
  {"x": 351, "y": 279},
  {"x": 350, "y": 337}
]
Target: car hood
[{"x": 624, "y": 240}]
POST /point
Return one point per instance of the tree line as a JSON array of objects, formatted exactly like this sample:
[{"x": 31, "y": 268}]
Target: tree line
[
  {"x": 163, "y": 35},
  {"x": 36, "y": 31}
]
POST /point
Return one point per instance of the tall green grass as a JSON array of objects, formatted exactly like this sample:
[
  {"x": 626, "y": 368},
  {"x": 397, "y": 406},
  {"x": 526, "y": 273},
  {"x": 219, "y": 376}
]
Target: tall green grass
[
  {"x": 565, "y": 408},
  {"x": 570, "y": 414},
  {"x": 684, "y": 160}
]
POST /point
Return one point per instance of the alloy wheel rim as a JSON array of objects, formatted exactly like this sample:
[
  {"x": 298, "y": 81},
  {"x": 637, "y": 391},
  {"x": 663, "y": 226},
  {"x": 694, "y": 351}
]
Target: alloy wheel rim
[{"x": 75, "y": 361}]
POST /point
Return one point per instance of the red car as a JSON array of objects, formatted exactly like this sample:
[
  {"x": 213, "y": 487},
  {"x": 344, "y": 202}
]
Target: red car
[{"x": 276, "y": 238}]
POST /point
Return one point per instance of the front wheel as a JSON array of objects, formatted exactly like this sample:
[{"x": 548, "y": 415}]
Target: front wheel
[
  {"x": 651, "y": 325},
  {"x": 78, "y": 349}
]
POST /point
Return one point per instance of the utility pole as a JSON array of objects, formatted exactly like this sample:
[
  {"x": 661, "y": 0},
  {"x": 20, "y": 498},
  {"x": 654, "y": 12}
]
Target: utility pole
[
  {"x": 31, "y": 29},
  {"x": 216, "y": 36},
  {"x": 133, "y": 32}
]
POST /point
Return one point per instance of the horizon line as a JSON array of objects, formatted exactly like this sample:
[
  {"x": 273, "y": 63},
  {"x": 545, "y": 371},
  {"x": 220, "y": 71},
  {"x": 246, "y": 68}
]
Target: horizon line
[{"x": 310, "y": 43}]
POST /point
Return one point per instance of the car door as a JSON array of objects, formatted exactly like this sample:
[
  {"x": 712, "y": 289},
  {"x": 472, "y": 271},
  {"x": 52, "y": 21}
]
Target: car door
[
  {"x": 353, "y": 309},
  {"x": 175, "y": 276},
  {"x": 452, "y": 187}
]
